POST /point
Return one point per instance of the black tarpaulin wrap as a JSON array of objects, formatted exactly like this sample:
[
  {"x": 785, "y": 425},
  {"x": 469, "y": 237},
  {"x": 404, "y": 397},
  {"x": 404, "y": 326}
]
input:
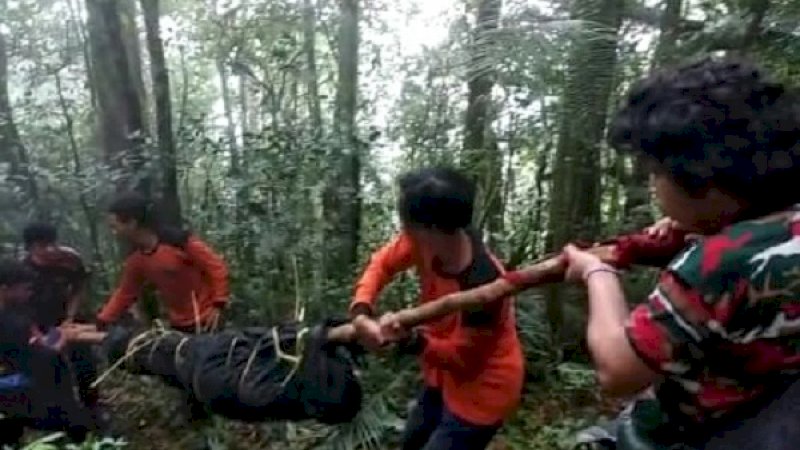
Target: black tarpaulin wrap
[{"x": 253, "y": 374}]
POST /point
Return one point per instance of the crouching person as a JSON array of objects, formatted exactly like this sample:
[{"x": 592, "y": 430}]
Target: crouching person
[
  {"x": 59, "y": 291},
  {"x": 717, "y": 337},
  {"x": 36, "y": 387}
]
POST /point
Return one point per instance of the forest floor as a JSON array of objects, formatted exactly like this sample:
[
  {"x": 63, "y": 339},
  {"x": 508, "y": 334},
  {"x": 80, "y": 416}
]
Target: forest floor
[{"x": 142, "y": 409}]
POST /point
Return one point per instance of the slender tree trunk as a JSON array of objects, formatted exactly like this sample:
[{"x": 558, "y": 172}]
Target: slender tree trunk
[
  {"x": 89, "y": 213},
  {"x": 482, "y": 157},
  {"x": 12, "y": 150},
  {"x": 170, "y": 201},
  {"x": 230, "y": 125},
  {"x": 309, "y": 45},
  {"x": 243, "y": 109},
  {"x": 758, "y": 12},
  {"x": 343, "y": 199},
  {"x": 80, "y": 28},
  {"x": 133, "y": 51},
  {"x": 184, "y": 102},
  {"x": 311, "y": 157}
]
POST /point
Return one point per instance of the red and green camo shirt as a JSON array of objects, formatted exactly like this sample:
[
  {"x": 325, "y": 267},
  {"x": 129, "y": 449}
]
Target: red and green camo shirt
[{"x": 723, "y": 323}]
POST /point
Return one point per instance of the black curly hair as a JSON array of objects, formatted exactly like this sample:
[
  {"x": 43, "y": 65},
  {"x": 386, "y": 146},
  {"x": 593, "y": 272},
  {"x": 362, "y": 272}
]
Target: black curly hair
[
  {"x": 133, "y": 206},
  {"x": 720, "y": 122}
]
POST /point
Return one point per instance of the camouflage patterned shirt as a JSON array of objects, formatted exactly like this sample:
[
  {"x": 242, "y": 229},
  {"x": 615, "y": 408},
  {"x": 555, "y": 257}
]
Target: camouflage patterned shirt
[{"x": 723, "y": 323}]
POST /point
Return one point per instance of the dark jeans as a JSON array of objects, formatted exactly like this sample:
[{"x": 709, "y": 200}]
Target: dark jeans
[
  {"x": 84, "y": 368},
  {"x": 431, "y": 426},
  {"x": 775, "y": 427}
]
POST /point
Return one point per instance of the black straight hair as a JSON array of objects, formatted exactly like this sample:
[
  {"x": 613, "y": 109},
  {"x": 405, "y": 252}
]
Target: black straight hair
[
  {"x": 440, "y": 198},
  {"x": 39, "y": 233},
  {"x": 133, "y": 206}
]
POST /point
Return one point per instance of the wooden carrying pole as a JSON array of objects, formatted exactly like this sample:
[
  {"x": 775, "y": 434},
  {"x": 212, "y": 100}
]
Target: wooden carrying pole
[{"x": 622, "y": 252}]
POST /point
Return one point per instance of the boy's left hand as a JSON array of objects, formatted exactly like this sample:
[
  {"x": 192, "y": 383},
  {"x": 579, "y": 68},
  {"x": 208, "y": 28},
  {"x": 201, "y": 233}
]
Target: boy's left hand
[
  {"x": 578, "y": 262},
  {"x": 391, "y": 328}
]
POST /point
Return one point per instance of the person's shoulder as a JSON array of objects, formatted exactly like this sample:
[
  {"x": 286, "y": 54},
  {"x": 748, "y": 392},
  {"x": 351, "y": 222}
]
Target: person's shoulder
[
  {"x": 63, "y": 257},
  {"x": 69, "y": 252},
  {"x": 739, "y": 251}
]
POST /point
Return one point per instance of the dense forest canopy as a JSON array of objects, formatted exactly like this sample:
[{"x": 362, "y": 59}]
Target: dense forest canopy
[{"x": 276, "y": 128}]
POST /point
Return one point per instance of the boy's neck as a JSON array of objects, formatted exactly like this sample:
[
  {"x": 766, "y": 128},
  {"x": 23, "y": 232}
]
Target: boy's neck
[
  {"x": 461, "y": 255},
  {"x": 146, "y": 241}
]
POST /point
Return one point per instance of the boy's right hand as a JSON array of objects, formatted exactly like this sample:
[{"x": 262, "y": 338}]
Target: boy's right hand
[
  {"x": 663, "y": 227},
  {"x": 666, "y": 225},
  {"x": 368, "y": 332}
]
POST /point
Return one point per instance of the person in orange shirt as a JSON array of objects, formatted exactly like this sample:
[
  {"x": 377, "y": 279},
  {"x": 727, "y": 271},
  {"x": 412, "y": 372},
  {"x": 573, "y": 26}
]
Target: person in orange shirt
[
  {"x": 472, "y": 363},
  {"x": 190, "y": 278}
]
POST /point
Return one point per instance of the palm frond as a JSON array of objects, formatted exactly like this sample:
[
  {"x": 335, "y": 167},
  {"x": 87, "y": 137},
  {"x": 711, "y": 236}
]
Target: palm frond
[{"x": 367, "y": 430}]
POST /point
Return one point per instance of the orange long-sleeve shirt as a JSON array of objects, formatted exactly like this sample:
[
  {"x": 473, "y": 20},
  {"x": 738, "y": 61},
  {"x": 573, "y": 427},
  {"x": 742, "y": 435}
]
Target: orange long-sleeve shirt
[
  {"x": 191, "y": 281},
  {"x": 479, "y": 368}
]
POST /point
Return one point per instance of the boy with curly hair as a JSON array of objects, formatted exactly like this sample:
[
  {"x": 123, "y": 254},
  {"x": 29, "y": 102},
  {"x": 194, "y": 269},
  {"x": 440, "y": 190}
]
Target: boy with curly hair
[{"x": 719, "y": 335}]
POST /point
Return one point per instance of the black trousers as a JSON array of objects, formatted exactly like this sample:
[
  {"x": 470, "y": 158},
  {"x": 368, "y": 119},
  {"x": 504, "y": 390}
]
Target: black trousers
[
  {"x": 195, "y": 409},
  {"x": 776, "y": 426},
  {"x": 431, "y": 426},
  {"x": 84, "y": 368}
]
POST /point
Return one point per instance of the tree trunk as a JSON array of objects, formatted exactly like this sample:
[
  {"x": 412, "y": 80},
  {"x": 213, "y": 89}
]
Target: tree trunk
[
  {"x": 89, "y": 213},
  {"x": 80, "y": 30},
  {"x": 667, "y": 44},
  {"x": 637, "y": 196},
  {"x": 482, "y": 158},
  {"x": 758, "y": 12},
  {"x": 317, "y": 216},
  {"x": 12, "y": 150},
  {"x": 310, "y": 48},
  {"x": 169, "y": 199},
  {"x": 230, "y": 126},
  {"x": 120, "y": 118},
  {"x": 575, "y": 202},
  {"x": 343, "y": 202},
  {"x": 133, "y": 51},
  {"x": 243, "y": 109}
]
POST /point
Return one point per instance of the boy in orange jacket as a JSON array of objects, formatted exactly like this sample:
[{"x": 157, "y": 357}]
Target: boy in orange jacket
[{"x": 472, "y": 362}]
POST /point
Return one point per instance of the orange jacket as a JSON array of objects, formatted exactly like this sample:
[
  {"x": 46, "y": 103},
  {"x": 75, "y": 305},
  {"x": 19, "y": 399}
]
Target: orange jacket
[
  {"x": 478, "y": 369},
  {"x": 191, "y": 280}
]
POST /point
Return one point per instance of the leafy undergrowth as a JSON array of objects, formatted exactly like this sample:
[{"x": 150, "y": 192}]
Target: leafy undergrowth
[
  {"x": 554, "y": 410},
  {"x": 143, "y": 411},
  {"x": 551, "y": 412}
]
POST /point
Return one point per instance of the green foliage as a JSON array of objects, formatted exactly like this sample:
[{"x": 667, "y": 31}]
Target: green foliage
[{"x": 254, "y": 162}]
